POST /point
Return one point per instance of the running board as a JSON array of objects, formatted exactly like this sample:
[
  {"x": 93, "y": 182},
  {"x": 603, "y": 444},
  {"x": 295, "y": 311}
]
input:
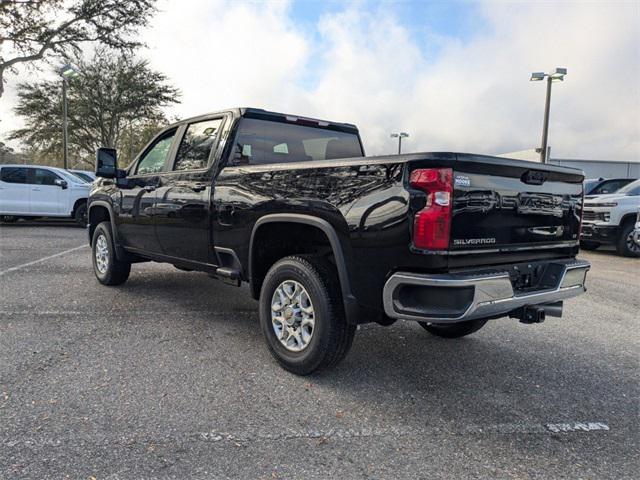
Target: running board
[{"x": 228, "y": 276}]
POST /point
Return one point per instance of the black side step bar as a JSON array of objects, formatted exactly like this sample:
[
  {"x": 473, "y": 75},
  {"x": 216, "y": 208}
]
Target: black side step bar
[{"x": 228, "y": 275}]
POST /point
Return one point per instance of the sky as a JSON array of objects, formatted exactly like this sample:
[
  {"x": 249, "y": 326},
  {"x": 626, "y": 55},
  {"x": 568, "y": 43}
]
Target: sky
[{"x": 454, "y": 75}]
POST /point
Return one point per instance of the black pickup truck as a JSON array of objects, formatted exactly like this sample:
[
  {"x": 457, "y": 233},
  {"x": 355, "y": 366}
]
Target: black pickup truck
[{"x": 328, "y": 239}]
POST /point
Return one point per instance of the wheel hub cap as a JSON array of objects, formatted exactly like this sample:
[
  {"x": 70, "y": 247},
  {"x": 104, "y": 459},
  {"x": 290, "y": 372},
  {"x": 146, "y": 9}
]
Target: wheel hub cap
[
  {"x": 102, "y": 254},
  {"x": 292, "y": 315}
]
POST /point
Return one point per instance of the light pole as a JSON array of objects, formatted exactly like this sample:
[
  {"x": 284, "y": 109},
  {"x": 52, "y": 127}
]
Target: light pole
[
  {"x": 399, "y": 136},
  {"x": 66, "y": 72},
  {"x": 558, "y": 74}
]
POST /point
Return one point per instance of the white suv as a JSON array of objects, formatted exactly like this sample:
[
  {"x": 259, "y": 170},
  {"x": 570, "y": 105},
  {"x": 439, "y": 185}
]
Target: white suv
[
  {"x": 28, "y": 191},
  {"x": 610, "y": 219}
]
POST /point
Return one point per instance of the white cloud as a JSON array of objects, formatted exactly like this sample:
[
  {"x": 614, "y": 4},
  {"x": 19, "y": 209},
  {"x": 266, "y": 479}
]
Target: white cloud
[
  {"x": 475, "y": 96},
  {"x": 364, "y": 66},
  {"x": 224, "y": 54}
]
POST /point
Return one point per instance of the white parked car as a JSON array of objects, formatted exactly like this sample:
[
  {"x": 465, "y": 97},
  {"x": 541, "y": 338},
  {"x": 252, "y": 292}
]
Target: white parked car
[
  {"x": 636, "y": 231},
  {"x": 610, "y": 219},
  {"x": 33, "y": 191}
]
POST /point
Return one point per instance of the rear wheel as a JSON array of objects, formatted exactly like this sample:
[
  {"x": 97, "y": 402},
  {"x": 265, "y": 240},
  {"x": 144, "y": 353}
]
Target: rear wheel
[
  {"x": 107, "y": 268},
  {"x": 454, "y": 330},
  {"x": 627, "y": 246},
  {"x": 587, "y": 245},
  {"x": 8, "y": 218},
  {"x": 302, "y": 316}
]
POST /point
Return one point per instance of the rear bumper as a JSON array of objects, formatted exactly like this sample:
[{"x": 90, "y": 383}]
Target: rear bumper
[{"x": 452, "y": 298}]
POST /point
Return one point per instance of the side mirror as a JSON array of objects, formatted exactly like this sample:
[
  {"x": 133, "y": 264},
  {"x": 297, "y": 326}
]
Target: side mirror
[
  {"x": 61, "y": 183},
  {"x": 106, "y": 163}
]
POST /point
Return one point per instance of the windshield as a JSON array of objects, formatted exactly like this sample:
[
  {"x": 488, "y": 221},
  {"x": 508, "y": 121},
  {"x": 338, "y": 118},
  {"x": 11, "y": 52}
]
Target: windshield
[
  {"x": 589, "y": 184},
  {"x": 631, "y": 189},
  {"x": 83, "y": 176},
  {"x": 72, "y": 177},
  {"x": 260, "y": 142},
  {"x": 80, "y": 176}
]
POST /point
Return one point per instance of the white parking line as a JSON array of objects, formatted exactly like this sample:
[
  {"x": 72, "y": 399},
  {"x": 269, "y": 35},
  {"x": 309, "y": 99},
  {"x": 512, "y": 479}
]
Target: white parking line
[{"x": 40, "y": 260}]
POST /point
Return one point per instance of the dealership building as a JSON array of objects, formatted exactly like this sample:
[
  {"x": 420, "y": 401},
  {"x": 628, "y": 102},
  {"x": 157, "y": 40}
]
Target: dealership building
[{"x": 591, "y": 168}]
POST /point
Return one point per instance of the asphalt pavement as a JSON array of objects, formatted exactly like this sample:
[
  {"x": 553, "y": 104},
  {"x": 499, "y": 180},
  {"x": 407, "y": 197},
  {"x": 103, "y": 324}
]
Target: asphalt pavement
[{"x": 168, "y": 377}]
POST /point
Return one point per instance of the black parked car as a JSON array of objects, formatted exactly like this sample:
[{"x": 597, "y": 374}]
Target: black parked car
[{"x": 328, "y": 238}]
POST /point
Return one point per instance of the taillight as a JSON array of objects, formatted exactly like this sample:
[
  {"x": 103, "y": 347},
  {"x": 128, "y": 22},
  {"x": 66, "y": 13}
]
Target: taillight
[{"x": 432, "y": 224}]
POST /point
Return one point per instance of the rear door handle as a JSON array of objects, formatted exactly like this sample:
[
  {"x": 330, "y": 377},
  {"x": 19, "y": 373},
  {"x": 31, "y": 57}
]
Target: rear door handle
[{"x": 149, "y": 188}]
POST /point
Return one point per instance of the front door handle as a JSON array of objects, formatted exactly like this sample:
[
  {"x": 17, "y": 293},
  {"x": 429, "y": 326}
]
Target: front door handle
[
  {"x": 198, "y": 187},
  {"x": 149, "y": 188}
]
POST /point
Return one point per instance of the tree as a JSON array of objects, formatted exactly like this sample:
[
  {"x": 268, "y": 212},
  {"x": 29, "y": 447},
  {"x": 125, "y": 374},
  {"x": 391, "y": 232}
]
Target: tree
[
  {"x": 115, "y": 101},
  {"x": 32, "y": 30}
]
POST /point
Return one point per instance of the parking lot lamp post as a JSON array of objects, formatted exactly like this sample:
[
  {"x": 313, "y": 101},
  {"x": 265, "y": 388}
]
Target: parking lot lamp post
[
  {"x": 66, "y": 72},
  {"x": 558, "y": 74},
  {"x": 399, "y": 136}
]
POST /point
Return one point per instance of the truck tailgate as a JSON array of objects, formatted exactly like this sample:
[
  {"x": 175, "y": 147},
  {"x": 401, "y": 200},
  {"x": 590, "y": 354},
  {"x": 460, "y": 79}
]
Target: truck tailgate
[{"x": 508, "y": 205}]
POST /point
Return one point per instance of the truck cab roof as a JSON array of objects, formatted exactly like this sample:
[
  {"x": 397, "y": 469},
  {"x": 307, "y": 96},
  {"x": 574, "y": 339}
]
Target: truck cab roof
[{"x": 251, "y": 112}]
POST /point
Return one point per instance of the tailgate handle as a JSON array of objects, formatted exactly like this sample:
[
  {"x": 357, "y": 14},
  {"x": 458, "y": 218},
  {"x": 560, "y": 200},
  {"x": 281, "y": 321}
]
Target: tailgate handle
[
  {"x": 548, "y": 231},
  {"x": 534, "y": 177}
]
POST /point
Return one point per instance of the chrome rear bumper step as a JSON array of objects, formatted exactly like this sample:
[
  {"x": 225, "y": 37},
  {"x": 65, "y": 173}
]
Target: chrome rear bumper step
[{"x": 456, "y": 297}]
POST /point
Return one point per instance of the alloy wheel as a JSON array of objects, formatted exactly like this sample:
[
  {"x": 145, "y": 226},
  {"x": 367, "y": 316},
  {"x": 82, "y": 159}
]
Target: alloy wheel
[
  {"x": 102, "y": 254},
  {"x": 292, "y": 315}
]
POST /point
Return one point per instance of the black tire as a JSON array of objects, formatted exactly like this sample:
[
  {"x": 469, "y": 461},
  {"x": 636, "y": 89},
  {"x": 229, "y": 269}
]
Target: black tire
[
  {"x": 454, "y": 330},
  {"x": 626, "y": 245},
  {"x": 331, "y": 336},
  {"x": 80, "y": 214},
  {"x": 588, "y": 245},
  {"x": 8, "y": 218},
  {"x": 116, "y": 272}
]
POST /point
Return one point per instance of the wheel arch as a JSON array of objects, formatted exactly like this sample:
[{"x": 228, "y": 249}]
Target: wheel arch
[
  {"x": 77, "y": 203},
  {"x": 333, "y": 240},
  {"x": 101, "y": 211},
  {"x": 629, "y": 217}
]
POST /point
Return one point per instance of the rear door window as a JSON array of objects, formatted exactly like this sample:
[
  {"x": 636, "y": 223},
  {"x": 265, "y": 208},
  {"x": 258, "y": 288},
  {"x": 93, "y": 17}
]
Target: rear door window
[
  {"x": 195, "y": 147},
  {"x": 13, "y": 174},
  {"x": 261, "y": 142}
]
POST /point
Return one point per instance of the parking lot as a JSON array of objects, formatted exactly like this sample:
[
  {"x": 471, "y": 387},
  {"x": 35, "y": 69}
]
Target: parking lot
[{"x": 167, "y": 376}]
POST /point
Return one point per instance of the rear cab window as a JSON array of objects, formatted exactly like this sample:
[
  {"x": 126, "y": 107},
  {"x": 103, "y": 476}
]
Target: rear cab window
[{"x": 260, "y": 142}]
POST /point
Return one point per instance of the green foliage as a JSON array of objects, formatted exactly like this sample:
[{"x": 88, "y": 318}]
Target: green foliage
[
  {"x": 33, "y": 30},
  {"x": 116, "y": 101}
]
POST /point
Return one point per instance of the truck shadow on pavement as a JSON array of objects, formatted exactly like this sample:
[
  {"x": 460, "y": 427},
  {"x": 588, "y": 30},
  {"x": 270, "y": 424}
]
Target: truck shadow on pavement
[{"x": 507, "y": 373}]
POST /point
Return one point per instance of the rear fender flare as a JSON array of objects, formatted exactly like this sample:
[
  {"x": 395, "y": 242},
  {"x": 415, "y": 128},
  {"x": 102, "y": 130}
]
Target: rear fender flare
[{"x": 350, "y": 303}]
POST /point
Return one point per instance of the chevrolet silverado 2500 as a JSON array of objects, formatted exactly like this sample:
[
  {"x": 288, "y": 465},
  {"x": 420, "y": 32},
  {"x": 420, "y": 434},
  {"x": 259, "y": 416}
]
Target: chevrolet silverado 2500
[{"x": 328, "y": 239}]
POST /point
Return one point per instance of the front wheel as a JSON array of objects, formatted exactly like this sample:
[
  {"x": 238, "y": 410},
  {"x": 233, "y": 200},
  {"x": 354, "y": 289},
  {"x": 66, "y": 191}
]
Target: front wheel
[
  {"x": 302, "y": 316},
  {"x": 627, "y": 245},
  {"x": 107, "y": 268},
  {"x": 8, "y": 218},
  {"x": 453, "y": 330},
  {"x": 80, "y": 215}
]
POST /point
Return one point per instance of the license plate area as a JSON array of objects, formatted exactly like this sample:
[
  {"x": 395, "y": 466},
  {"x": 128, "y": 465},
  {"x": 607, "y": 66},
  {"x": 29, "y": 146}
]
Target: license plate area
[{"x": 531, "y": 276}]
